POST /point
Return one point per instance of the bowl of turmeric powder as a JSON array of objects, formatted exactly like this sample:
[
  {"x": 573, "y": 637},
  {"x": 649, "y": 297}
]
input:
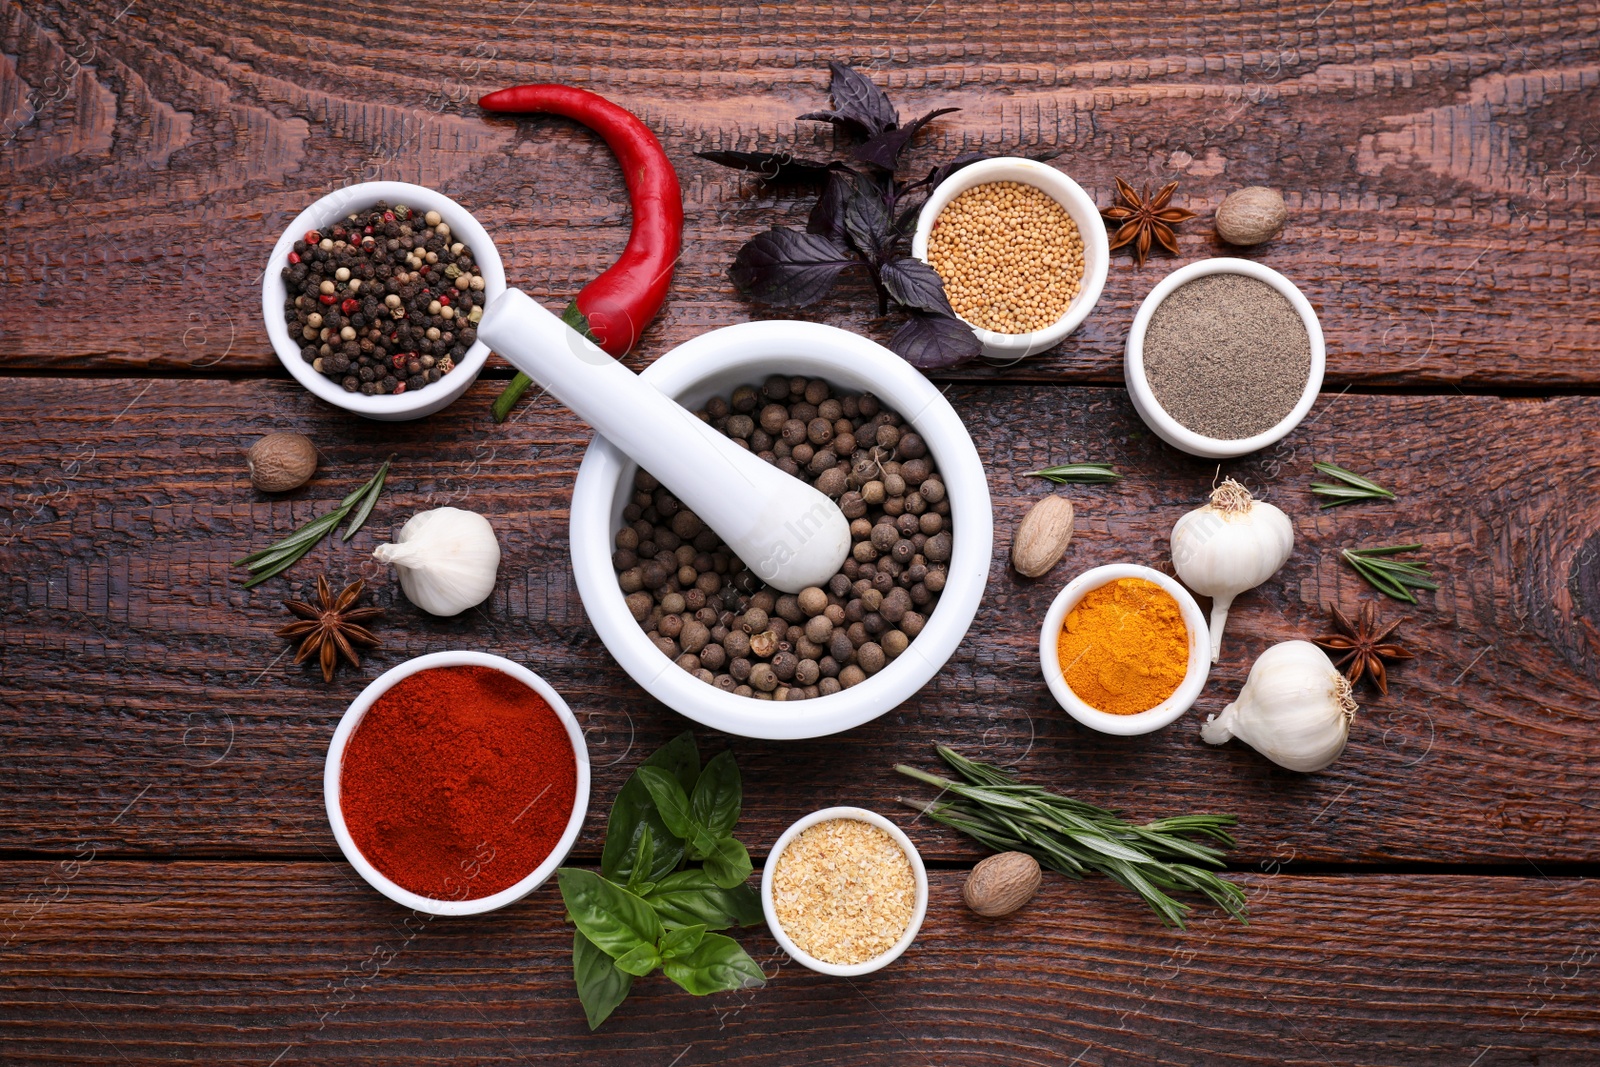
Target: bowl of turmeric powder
[{"x": 1125, "y": 649}]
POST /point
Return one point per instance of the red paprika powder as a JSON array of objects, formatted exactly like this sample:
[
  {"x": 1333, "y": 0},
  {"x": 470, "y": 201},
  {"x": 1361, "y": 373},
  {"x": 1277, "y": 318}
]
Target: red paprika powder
[{"x": 458, "y": 782}]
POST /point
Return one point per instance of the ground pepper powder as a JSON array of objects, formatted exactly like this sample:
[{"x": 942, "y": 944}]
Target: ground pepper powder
[
  {"x": 458, "y": 782},
  {"x": 1125, "y": 647}
]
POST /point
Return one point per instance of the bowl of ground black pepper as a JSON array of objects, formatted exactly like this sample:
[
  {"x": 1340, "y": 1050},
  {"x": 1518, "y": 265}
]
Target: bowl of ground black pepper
[
  {"x": 1225, "y": 357},
  {"x": 1021, "y": 248},
  {"x": 372, "y": 295},
  {"x": 693, "y": 625}
]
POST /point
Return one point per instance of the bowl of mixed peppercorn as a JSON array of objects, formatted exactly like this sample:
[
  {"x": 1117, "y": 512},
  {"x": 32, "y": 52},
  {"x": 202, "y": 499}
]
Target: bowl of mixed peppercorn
[{"x": 372, "y": 298}]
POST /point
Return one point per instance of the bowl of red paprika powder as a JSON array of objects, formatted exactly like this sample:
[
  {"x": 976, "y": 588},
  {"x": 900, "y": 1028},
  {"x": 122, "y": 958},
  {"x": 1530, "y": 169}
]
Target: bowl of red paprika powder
[{"x": 457, "y": 782}]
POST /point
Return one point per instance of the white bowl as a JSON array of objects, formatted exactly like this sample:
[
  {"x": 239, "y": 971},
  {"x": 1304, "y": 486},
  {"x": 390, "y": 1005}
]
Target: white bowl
[
  {"x": 713, "y": 364},
  {"x": 1066, "y": 192},
  {"x": 1164, "y": 713},
  {"x": 918, "y": 913},
  {"x": 333, "y": 208},
  {"x": 1170, "y": 429},
  {"x": 335, "y": 762}
]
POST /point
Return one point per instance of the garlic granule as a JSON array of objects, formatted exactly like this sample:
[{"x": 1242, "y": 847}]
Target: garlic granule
[{"x": 843, "y": 891}]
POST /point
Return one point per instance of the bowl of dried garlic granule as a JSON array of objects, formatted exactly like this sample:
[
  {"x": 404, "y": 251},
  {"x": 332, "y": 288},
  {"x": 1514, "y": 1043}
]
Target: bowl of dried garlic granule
[
  {"x": 844, "y": 891},
  {"x": 1022, "y": 251}
]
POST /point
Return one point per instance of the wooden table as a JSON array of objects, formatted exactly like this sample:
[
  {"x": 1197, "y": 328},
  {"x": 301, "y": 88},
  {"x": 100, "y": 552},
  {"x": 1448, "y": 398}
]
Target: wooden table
[{"x": 171, "y": 890}]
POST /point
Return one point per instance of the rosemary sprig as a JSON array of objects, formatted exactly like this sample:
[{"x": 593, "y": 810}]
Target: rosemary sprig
[
  {"x": 275, "y": 559},
  {"x": 1154, "y": 860},
  {"x": 1082, "y": 473},
  {"x": 1353, "y": 488},
  {"x": 1391, "y": 577}
]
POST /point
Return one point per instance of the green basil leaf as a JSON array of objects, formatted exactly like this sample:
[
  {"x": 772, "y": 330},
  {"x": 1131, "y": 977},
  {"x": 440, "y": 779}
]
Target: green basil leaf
[
  {"x": 633, "y": 810},
  {"x": 718, "y": 795},
  {"x": 716, "y": 966},
  {"x": 670, "y": 800},
  {"x": 688, "y": 898},
  {"x": 643, "y": 857},
  {"x": 682, "y": 941},
  {"x": 616, "y": 920},
  {"x": 639, "y": 960},
  {"x": 727, "y": 863},
  {"x": 601, "y": 986}
]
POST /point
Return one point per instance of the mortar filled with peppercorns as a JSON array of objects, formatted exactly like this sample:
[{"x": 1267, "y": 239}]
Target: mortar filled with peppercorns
[
  {"x": 697, "y": 628},
  {"x": 372, "y": 297}
]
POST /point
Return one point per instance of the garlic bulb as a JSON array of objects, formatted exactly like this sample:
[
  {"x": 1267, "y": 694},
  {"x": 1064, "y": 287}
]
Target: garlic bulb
[
  {"x": 1295, "y": 709},
  {"x": 1232, "y": 544},
  {"x": 447, "y": 559}
]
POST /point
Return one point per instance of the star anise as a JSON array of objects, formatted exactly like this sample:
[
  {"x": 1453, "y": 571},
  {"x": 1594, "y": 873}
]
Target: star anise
[
  {"x": 332, "y": 629},
  {"x": 1365, "y": 645},
  {"x": 1143, "y": 219}
]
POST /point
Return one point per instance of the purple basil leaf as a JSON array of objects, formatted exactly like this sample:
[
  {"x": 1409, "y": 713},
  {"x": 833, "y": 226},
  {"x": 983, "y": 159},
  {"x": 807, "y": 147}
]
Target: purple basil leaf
[
  {"x": 788, "y": 268},
  {"x": 931, "y": 342},
  {"x": 914, "y": 284},
  {"x": 827, "y": 215},
  {"x": 914, "y": 198},
  {"x": 884, "y": 149},
  {"x": 866, "y": 220},
  {"x": 857, "y": 102},
  {"x": 943, "y": 171},
  {"x": 844, "y": 123},
  {"x": 772, "y": 166}
]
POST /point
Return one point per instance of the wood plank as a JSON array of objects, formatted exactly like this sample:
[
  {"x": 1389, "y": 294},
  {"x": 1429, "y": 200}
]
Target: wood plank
[
  {"x": 1438, "y": 159},
  {"x": 149, "y": 706},
  {"x": 299, "y": 963}
]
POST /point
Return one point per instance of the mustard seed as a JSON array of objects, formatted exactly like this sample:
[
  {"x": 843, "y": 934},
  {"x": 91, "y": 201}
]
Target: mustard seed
[{"x": 1010, "y": 255}]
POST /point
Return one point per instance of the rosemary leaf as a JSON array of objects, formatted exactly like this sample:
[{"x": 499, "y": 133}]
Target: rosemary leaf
[
  {"x": 1355, "y": 487},
  {"x": 1075, "y": 838},
  {"x": 1082, "y": 473},
  {"x": 276, "y": 558},
  {"x": 1391, "y": 577}
]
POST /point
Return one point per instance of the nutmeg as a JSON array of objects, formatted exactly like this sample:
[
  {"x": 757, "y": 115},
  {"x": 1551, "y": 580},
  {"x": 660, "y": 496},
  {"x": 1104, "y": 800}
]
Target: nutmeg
[
  {"x": 1001, "y": 884},
  {"x": 1251, "y": 215},
  {"x": 281, "y": 461},
  {"x": 1042, "y": 536}
]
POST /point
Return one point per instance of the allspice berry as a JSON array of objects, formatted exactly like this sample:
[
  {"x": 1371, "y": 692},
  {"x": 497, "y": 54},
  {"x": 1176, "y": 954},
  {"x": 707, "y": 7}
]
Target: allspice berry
[
  {"x": 281, "y": 461},
  {"x": 1251, "y": 216},
  {"x": 1001, "y": 884}
]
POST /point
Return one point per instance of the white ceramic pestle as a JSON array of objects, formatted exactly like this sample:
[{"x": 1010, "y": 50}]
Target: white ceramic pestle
[{"x": 786, "y": 531}]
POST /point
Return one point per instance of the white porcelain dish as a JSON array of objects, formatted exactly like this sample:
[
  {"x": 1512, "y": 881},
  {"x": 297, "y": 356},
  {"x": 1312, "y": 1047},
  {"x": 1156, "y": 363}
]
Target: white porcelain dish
[
  {"x": 919, "y": 910},
  {"x": 1066, "y": 192},
  {"x": 714, "y": 364},
  {"x": 1164, "y": 713},
  {"x": 335, "y": 762},
  {"x": 331, "y": 209},
  {"x": 1171, "y": 430}
]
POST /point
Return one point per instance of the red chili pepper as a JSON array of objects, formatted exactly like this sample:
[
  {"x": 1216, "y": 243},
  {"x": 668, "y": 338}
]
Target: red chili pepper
[{"x": 617, "y": 306}]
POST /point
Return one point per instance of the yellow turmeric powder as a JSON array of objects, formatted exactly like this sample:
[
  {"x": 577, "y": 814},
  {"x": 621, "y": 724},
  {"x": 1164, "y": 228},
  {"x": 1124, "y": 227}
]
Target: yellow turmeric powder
[{"x": 1125, "y": 647}]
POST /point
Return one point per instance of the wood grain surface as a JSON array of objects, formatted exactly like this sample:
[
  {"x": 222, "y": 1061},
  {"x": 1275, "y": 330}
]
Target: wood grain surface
[
  {"x": 169, "y": 888},
  {"x": 154, "y": 668},
  {"x": 299, "y": 963},
  {"x": 1438, "y": 159}
]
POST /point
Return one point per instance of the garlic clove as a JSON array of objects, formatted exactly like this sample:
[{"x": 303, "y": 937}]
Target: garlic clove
[
  {"x": 448, "y": 559},
  {"x": 1231, "y": 544},
  {"x": 1295, "y": 708}
]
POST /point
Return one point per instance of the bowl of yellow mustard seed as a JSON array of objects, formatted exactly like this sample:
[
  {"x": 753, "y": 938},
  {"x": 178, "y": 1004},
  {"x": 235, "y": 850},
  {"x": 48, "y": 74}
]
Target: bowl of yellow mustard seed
[
  {"x": 844, "y": 891},
  {"x": 1022, "y": 251}
]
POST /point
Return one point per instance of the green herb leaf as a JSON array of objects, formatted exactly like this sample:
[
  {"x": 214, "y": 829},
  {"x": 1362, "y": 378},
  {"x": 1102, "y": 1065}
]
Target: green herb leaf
[
  {"x": 716, "y": 965},
  {"x": 1354, "y": 487},
  {"x": 1391, "y": 577},
  {"x": 616, "y": 920},
  {"x": 643, "y": 858},
  {"x": 1081, "y": 473},
  {"x": 670, "y": 801},
  {"x": 682, "y": 941},
  {"x": 687, "y": 898},
  {"x": 639, "y": 960},
  {"x": 372, "y": 489},
  {"x": 718, "y": 795},
  {"x": 727, "y": 863},
  {"x": 601, "y": 985},
  {"x": 633, "y": 810}
]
